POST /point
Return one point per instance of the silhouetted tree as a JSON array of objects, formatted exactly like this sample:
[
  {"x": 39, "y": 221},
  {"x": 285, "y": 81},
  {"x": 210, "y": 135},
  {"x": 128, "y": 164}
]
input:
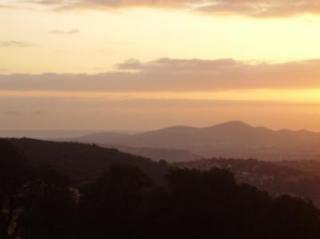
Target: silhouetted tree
[
  {"x": 50, "y": 208},
  {"x": 15, "y": 176},
  {"x": 33, "y": 203},
  {"x": 39, "y": 203},
  {"x": 112, "y": 207}
]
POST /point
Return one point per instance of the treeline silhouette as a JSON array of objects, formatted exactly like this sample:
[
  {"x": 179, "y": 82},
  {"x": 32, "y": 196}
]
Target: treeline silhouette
[
  {"x": 39, "y": 203},
  {"x": 300, "y": 178},
  {"x": 82, "y": 163}
]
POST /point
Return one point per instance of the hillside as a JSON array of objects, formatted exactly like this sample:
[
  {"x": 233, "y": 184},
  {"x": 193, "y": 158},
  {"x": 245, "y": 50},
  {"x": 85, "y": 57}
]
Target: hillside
[
  {"x": 287, "y": 177},
  {"x": 157, "y": 154},
  {"x": 230, "y": 140},
  {"x": 124, "y": 202},
  {"x": 81, "y": 162},
  {"x": 84, "y": 163}
]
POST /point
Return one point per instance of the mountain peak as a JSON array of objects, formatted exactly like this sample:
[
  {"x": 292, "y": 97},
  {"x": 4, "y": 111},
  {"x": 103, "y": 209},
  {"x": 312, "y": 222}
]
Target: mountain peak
[{"x": 233, "y": 124}]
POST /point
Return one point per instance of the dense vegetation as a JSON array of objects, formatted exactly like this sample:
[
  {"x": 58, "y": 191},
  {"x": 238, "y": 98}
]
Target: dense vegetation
[
  {"x": 82, "y": 163},
  {"x": 124, "y": 202},
  {"x": 299, "y": 178}
]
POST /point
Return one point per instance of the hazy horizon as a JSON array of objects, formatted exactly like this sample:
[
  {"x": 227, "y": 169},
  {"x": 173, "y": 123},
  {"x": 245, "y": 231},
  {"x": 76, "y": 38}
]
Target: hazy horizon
[
  {"x": 71, "y": 133},
  {"x": 159, "y": 119},
  {"x": 141, "y": 65}
]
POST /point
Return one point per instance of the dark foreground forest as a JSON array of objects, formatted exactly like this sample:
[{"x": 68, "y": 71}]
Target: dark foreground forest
[{"x": 124, "y": 201}]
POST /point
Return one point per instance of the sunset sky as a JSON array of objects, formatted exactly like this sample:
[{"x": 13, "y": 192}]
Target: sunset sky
[{"x": 144, "y": 64}]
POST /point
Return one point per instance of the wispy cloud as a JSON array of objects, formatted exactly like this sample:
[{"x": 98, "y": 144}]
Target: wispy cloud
[
  {"x": 262, "y": 8},
  {"x": 2, "y": 6},
  {"x": 252, "y": 8},
  {"x": 64, "y": 32},
  {"x": 16, "y": 44},
  {"x": 115, "y": 3}
]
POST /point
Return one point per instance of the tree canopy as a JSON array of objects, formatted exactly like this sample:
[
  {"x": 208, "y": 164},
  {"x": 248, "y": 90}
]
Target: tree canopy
[{"x": 38, "y": 202}]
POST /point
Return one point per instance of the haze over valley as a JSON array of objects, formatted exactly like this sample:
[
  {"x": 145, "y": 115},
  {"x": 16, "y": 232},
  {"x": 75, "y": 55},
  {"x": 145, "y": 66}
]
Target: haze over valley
[
  {"x": 233, "y": 139},
  {"x": 152, "y": 119}
]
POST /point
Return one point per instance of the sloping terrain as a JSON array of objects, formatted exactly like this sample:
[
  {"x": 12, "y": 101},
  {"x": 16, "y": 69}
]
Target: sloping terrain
[
  {"x": 228, "y": 140},
  {"x": 81, "y": 162}
]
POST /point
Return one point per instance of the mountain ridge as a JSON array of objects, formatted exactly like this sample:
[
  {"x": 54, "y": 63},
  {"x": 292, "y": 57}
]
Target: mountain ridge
[{"x": 233, "y": 139}]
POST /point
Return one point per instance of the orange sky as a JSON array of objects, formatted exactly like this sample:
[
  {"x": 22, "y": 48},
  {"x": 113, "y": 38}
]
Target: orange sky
[{"x": 147, "y": 64}]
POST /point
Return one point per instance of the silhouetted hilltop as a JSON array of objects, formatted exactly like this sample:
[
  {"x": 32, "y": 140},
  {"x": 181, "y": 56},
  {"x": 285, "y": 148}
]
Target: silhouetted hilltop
[
  {"x": 82, "y": 162},
  {"x": 230, "y": 140},
  {"x": 157, "y": 154},
  {"x": 124, "y": 201}
]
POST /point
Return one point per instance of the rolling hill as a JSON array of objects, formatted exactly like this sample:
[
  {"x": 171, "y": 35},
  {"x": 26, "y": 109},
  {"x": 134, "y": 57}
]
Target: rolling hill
[
  {"x": 230, "y": 140},
  {"x": 82, "y": 163}
]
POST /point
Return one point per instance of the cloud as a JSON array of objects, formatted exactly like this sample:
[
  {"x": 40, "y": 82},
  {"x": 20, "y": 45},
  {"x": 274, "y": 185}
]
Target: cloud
[
  {"x": 176, "y": 75},
  {"x": 100, "y": 4},
  {"x": 252, "y": 8},
  {"x": 65, "y": 32},
  {"x": 262, "y": 8},
  {"x": 16, "y": 44},
  {"x": 51, "y": 2},
  {"x": 2, "y": 6}
]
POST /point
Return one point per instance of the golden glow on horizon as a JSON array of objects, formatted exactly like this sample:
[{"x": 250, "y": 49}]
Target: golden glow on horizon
[
  {"x": 305, "y": 96},
  {"x": 37, "y": 40}
]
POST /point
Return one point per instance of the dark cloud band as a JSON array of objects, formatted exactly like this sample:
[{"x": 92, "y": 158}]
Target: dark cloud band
[{"x": 177, "y": 75}]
